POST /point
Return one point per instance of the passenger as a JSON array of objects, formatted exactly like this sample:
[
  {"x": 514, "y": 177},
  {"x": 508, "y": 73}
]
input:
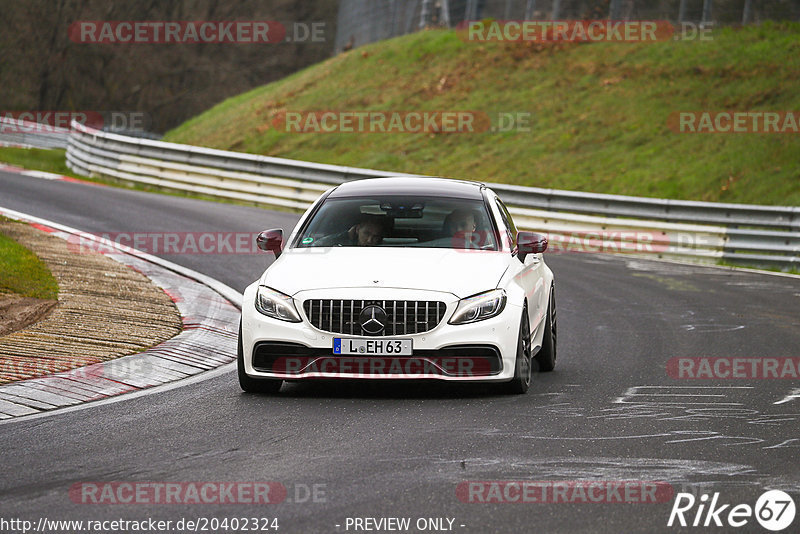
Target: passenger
[
  {"x": 460, "y": 222},
  {"x": 370, "y": 231},
  {"x": 460, "y": 226}
]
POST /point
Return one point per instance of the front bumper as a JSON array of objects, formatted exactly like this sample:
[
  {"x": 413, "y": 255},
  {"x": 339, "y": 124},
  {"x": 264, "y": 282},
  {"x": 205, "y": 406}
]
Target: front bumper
[{"x": 479, "y": 352}]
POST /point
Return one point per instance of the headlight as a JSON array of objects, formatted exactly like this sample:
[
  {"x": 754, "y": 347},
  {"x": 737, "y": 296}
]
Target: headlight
[
  {"x": 479, "y": 307},
  {"x": 276, "y": 305}
]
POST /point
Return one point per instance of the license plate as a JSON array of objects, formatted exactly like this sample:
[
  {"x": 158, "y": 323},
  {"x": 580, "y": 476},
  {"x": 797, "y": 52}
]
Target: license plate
[{"x": 373, "y": 347}]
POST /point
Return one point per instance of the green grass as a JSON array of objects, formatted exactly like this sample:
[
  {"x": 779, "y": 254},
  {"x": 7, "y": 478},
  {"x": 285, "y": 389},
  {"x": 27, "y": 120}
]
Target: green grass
[
  {"x": 38, "y": 159},
  {"x": 598, "y": 113},
  {"x": 21, "y": 272}
]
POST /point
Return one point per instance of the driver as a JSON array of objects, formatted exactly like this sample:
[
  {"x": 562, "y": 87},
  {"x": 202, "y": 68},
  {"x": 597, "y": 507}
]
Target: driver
[{"x": 369, "y": 231}]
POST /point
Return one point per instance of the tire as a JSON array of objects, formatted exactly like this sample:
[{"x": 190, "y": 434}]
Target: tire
[
  {"x": 248, "y": 383},
  {"x": 546, "y": 357},
  {"x": 522, "y": 368}
]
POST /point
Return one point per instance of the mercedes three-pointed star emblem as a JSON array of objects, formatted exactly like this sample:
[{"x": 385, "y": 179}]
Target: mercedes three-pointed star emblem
[{"x": 372, "y": 319}]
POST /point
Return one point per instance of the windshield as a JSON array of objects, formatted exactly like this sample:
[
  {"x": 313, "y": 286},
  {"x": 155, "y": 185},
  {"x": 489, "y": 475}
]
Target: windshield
[{"x": 400, "y": 221}]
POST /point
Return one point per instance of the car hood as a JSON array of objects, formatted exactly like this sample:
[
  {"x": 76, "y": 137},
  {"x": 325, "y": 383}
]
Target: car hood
[{"x": 460, "y": 272}]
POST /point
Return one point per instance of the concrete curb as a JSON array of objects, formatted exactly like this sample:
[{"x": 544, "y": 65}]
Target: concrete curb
[{"x": 210, "y": 314}]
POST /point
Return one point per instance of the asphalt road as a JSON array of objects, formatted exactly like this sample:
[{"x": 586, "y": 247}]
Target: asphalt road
[{"x": 609, "y": 412}]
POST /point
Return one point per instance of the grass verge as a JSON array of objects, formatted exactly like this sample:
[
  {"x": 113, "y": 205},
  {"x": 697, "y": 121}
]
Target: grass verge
[
  {"x": 40, "y": 159},
  {"x": 23, "y": 273}
]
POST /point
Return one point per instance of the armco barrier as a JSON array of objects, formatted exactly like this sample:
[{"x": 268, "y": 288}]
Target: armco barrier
[
  {"x": 15, "y": 132},
  {"x": 699, "y": 231}
]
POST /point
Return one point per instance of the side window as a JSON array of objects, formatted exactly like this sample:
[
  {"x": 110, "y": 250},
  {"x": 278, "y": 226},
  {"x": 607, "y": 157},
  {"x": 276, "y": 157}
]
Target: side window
[{"x": 508, "y": 222}]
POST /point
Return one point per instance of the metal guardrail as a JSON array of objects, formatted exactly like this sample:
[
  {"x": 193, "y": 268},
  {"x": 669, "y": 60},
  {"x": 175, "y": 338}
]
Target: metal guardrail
[
  {"x": 574, "y": 221},
  {"x": 15, "y": 132},
  {"x": 732, "y": 215}
]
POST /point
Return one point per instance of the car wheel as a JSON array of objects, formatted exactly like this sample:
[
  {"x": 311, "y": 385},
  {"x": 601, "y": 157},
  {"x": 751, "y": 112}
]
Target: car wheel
[
  {"x": 248, "y": 383},
  {"x": 522, "y": 368},
  {"x": 546, "y": 357}
]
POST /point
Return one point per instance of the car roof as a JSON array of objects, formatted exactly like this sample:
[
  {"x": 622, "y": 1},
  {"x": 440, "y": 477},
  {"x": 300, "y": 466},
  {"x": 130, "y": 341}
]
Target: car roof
[{"x": 404, "y": 185}]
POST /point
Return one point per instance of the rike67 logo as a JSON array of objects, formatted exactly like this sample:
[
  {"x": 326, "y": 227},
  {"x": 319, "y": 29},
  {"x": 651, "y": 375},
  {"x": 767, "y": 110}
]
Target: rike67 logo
[{"x": 774, "y": 510}]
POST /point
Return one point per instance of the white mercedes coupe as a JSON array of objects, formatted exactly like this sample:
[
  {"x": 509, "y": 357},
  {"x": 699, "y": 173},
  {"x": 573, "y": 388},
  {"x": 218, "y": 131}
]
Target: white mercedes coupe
[{"x": 400, "y": 278}]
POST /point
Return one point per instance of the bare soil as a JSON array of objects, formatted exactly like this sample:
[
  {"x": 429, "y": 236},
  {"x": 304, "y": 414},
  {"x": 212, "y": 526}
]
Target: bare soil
[{"x": 18, "y": 312}]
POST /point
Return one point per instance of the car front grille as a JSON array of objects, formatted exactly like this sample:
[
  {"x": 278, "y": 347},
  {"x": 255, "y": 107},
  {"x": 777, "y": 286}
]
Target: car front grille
[{"x": 403, "y": 317}]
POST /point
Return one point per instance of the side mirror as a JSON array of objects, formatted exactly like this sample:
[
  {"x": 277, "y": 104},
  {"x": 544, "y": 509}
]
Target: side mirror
[
  {"x": 271, "y": 241},
  {"x": 530, "y": 243}
]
